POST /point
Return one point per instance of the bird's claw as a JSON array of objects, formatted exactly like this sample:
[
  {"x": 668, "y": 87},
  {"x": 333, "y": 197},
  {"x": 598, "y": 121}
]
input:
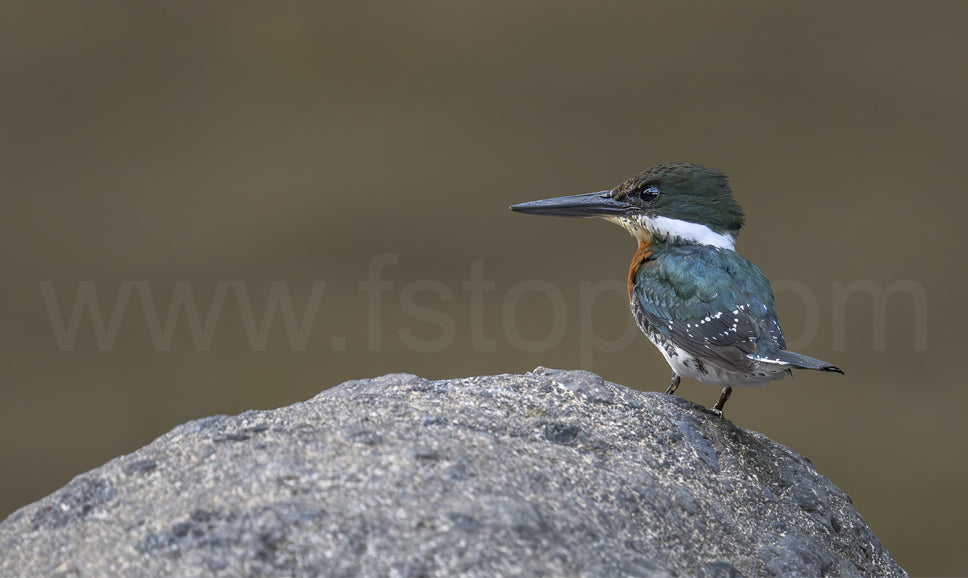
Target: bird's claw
[
  {"x": 721, "y": 402},
  {"x": 673, "y": 384}
]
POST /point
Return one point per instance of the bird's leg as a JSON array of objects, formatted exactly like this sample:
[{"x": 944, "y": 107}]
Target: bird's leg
[
  {"x": 718, "y": 408},
  {"x": 674, "y": 384}
]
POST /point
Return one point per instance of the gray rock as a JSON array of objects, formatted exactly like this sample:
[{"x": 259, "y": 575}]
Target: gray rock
[{"x": 553, "y": 473}]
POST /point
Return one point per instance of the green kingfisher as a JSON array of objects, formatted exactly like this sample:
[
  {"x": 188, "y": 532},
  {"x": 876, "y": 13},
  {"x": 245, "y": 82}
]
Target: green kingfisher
[{"x": 708, "y": 310}]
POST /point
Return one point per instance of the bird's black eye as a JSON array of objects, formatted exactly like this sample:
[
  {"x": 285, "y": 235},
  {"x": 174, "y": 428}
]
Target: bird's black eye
[{"x": 649, "y": 193}]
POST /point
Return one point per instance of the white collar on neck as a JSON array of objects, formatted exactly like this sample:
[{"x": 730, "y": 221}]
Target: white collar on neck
[{"x": 664, "y": 227}]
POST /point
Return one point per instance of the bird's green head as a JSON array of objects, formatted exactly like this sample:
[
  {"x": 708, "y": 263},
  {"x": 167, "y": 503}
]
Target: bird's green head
[{"x": 673, "y": 202}]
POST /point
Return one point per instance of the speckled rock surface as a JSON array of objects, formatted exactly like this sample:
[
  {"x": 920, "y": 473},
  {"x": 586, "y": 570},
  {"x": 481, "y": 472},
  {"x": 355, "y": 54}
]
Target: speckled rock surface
[{"x": 551, "y": 473}]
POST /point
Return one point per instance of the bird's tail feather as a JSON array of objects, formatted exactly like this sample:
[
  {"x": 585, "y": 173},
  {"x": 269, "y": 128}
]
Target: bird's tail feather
[{"x": 798, "y": 361}]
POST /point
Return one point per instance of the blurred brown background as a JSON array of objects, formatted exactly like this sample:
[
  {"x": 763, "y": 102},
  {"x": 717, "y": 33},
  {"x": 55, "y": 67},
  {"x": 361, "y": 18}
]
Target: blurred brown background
[{"x": 224, "y": 147}]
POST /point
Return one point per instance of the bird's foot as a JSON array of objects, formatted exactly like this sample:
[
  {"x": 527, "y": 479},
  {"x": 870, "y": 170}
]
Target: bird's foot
[
  {"x": 721, "y": 402},
  {"x": 673, "y": 384}
]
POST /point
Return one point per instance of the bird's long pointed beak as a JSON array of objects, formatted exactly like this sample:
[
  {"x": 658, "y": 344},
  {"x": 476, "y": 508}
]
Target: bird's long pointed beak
[{"x": 598, "y": 204}]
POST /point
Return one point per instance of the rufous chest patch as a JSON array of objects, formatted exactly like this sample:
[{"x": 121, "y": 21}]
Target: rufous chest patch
[{"x": 640, "y": 257}]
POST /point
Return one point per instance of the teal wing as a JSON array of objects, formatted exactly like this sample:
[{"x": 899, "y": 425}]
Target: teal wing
[{"x": 711, "y": 302}]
